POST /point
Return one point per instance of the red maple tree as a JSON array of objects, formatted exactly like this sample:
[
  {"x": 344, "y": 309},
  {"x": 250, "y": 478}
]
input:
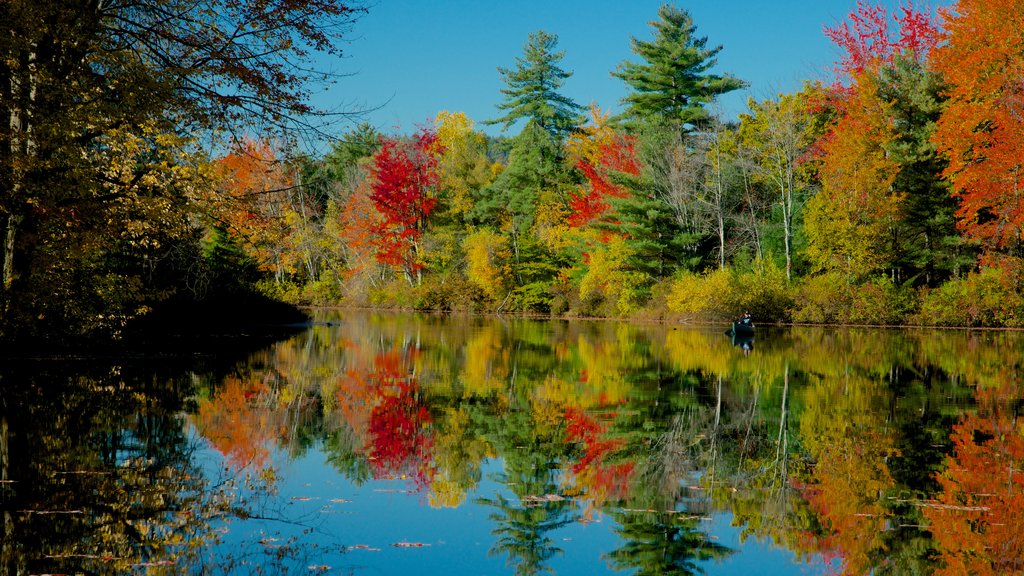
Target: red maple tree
[
  {"x": 404, "y": 179},
  {"x": 591, "y": 202}
]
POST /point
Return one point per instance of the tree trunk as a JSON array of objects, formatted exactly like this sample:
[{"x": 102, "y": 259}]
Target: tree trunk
[
  {"x": 7, "y": 528},
  {"x": 10, "y": 235}
]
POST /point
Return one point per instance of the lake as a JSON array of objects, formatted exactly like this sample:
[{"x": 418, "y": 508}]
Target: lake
[{"x": 416, "y": 444}]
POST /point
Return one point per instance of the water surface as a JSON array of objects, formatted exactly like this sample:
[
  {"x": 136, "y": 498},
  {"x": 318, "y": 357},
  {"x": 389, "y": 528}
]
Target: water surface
[{"x": 398, "y": 444}]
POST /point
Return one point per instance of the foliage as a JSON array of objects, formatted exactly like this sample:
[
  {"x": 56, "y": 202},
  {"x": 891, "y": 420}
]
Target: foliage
[
  {"x": 978, "y": 132},
  {"x": 463, "y": 166},
  {"x": 989, "y": 297},
  {"x": 849, "y": 220},
  {"x": 710, "y": 294},
  {"x": 531, "y": 91},
  {"x": 488, "y": 262},
  {"x": 600, "y": 154},
  {"x": 672, "y": 85},
  {"x": 724, "y": 294},
  {"x": 610, "y": 277},
  {"x": 404, "y": 180},
  {"x": 868, "y": 42},
  {"x": 830, "y": 299},
  {"x": 778, "y": 135}
]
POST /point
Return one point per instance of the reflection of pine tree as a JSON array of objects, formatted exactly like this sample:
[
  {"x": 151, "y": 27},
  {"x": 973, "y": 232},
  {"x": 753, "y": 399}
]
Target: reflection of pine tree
[
  {"x": 531, "y": 469},
  {"x": 671, "y": 426},
  {"x": 522, "y": 532},
  {"x": 662, "y": 543}
]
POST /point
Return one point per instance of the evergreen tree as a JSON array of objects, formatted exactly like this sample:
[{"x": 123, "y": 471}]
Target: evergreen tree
[
  {"x": 532, "y": 88},
  {"x": 343, "y": 161},
  {"x": 658, "y": 244},
  {"x": 513, "y": 196},
  {"x": 926, "y": 244},
  {"x": 672, "y": 85}
]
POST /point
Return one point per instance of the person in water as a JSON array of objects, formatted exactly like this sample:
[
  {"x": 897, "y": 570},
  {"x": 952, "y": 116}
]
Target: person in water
[{"x": 746, "y": 319}]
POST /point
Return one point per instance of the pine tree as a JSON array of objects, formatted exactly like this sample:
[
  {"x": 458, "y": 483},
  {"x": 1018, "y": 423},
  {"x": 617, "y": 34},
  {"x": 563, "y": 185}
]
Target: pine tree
[
  {"x": 673, "y": 85},
  {"x": 926, "y": 244},
  {"x": 532, "y": 89}
]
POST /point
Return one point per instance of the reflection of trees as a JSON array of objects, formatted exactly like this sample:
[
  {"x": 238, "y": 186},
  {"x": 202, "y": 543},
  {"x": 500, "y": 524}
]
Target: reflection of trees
[
  {"x": 978, "y": 517},
  {"x": 531, "y": 455},
  {"x": 673, "y": 430},
  {"x": 102, "y": 477},
  {"x": 824, "y": 441},
  {"x": 662, "y": 543},
  {"x": 532, "y": 449},
  {"x": 761, "y": 494}
]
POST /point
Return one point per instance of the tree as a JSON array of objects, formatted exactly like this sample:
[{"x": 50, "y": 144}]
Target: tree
[
  {"x": 344, "y": 162},
  {"x": 75, "y": 77},
  {"x": 531, "y": 90},
  {"x": 981, "y": 128},
  {"x": 779, "y": 134},
  {"x": 853, "y": 223},
  {"x": 464, "y": 166},
  {"x": 251, "y": 202},
  {"x": 673, "y": 83},
  {"x": 928, "y": 246},
  {"x": 511, "y": 202},
  {"x": 600, "y": 153},
  {"x": 849, "y": 221},
  {"x": 404, "y": 180}
]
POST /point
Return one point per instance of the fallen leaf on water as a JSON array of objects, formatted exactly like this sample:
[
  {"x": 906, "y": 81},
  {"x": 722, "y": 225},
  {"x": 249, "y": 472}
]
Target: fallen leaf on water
[
  {"x": 409, "y": 544},
  {"x": 340, "y": 500},
  {"x": 538, "y": 500},
  {"x": 302, "y": 498},
  {"x": 363, "y": 547}
]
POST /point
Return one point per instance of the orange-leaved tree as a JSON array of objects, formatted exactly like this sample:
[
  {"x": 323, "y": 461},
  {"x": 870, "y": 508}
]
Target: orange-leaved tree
[
  {"x": 251, "y": 201},
  {"x": 980, "y": 131}
]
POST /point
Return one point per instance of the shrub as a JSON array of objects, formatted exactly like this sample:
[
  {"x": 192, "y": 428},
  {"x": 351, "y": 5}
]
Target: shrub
[
  {"x": 724, "y": 294},
  {"x": 707, "y": 296},
  {"x": 988, "y": 298},
  {"x": 830, "y": 299},
  {"x": 822, "y": 299},
  {"x": 764, "y": 290}
]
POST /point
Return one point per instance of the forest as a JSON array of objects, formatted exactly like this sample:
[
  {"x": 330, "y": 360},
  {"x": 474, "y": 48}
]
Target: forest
[{"x": 152, "y": 157}]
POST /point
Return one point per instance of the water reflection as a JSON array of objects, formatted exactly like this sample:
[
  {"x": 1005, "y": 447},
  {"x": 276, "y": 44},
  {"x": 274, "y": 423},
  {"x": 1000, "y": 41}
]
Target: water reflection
[{"x": 855, "y": 451}]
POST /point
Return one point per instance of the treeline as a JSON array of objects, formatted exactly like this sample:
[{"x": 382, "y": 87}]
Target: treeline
[{"x": 888, "y": 196}]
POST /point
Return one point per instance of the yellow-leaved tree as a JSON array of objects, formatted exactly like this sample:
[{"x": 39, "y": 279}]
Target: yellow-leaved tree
[
  {"x": 464, "y": 166},
  {"x": 848, "y": 221},
  {"x": 488, "y": 262}
]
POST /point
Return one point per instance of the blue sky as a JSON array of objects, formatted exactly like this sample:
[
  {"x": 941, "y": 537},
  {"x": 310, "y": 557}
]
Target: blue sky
[{"x": 412, "y": 59}]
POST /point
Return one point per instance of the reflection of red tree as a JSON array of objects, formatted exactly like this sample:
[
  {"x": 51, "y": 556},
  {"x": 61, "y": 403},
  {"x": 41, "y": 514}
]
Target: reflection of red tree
[
  {"x": 235, "y": 424},
  {"x": 978, "y": 518},
  {"x": 400, "y": 443},
  {"x": 597, "y": 480}
]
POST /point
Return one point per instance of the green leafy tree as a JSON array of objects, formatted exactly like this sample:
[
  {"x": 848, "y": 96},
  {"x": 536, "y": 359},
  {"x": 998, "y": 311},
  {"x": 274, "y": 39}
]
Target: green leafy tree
[
  {"x": 778, "y": 134},
  {"x": 533, "y": 177},
  {"x": 344, "y": 162},
  {"x": 531, "y": 90},
  {"x": 673, "y": 83}
]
